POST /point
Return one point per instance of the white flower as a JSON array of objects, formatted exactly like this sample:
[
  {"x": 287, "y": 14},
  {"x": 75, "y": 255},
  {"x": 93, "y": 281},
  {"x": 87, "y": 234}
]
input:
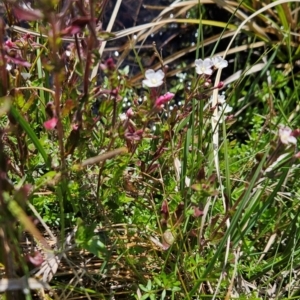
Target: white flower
[
  {"x": 226, "y": 108},
  {"x": 123, "y": 117},
  {"x": 221, "y": 100},
  {"x": 204, "y": 66},
  {"x": 219, "y": 62},
  {"x": 285, "y": 135},
  {"x": 153, "y": 79},
  {"x": 223, "y": 110}
]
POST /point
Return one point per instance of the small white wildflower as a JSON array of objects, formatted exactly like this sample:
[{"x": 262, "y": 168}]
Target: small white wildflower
[
  {"x": 25, "y": 76},
  {"x": 153, "y": 79},
  {"x": 123, "y": 117},
  {"x": 285, "y": 135},
  {"x": 221, "y": 99},
  {"x": 223, "y": 109},
  {"x": 219, "y": 62},
  {"x": 204, "y": 66},
  {"x": 226, "y": 108},
  {"x": 8, "y": 67}
]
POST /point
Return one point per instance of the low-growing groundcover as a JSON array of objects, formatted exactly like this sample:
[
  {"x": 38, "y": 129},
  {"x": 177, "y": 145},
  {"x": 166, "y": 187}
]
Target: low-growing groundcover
[{"x": 177, "y": 181}]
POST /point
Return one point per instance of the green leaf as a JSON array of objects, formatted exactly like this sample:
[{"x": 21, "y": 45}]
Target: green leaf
[
  {"x": 45, "y": 179},
  {"x": 96, "y": 246},
  {"x": 149, "y": 285},
  {"x": 27, "y": 128},
  {"x": 86, "y": 238},
  {"x": 84, "y": 233},
  {"x": 5, "y": 103},
  {"x": 146, "y": 296},
  {"x": 143, "y": 288},
  {"x": 163, "y": 294},
  {"x": 104, "y": 35}
]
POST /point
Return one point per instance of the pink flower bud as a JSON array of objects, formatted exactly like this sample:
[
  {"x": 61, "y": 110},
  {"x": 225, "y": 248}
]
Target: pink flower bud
[
  {"x": 50, "y": 124},
  {"x": 10, "y": 44},
  {"x": 164, "y": 99},
  {"x": 297, "y": 155},
  {"x": 220, "y": 85},
  {"x": 295, "y": 133},
  {"x": 110, "y": 64},
  {"x": 133, "y": 135},
  {"x": 129, "y": 113}
]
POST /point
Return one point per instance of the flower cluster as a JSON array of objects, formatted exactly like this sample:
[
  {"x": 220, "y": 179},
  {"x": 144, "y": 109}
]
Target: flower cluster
[
  {"x": 206, "y": 66},
  {"x": 155, "y": 79}
]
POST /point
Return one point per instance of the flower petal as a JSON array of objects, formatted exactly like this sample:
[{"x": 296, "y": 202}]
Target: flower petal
[{"x": 50, "y": 124}]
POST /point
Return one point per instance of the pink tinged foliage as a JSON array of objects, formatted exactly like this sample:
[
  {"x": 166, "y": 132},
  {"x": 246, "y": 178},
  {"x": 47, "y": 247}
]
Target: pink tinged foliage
[
  {"x": 164, "y": 99},
  {"x": 11, "y": 45},
  {"x": 18, "y": 61},
  {"x": 27, "y": 14},
  {"x": 129, "y": 113},
  {"x": 50, "y": 124},
  {"x": 133, "y": 135},
  {"x": 25, "y": 190},
  {"x": 77, "y": 25},
  {"x": 110, "y": 64},
  {"x": 82, "y": 21},
  {"x": 70, "y": 30},
  {"x": 197, "y": 212},
  {"x": 164, "y": 208}
]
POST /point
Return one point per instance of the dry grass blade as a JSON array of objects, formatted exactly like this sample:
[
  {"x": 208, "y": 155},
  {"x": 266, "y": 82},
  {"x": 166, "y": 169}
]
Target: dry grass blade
[
  {"x": 104, "y": 156},
  {"x": 268, "y": 246},
  {"x": 109, "y": 28},
  {"x": 22, "y": 284},
  {"x": 136, "y": 29},
  {"x": 49, "y": 267},
  {"x": 183, "y": 52},
  {"x": 238, "y": 75}
]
